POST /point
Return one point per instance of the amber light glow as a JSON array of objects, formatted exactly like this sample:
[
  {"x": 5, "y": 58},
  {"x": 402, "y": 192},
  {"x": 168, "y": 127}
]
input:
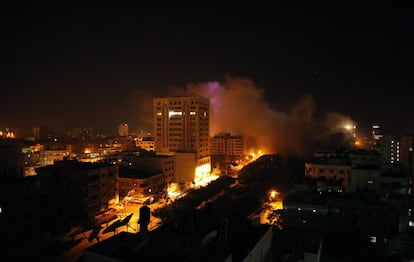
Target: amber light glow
[{"x": 203, "y": 176}]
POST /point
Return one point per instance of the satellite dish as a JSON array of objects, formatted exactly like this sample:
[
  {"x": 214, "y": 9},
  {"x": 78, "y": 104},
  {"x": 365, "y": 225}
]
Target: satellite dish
[
  {"x": 125, "y": 220},
  {"x": 94, "y": 233},
  {"x": 209, "y": 237},
  {"x": 112, "y": 227}
]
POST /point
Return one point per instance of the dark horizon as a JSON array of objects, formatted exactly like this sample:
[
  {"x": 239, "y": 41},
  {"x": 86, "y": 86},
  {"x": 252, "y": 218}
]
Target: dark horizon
[{"x": 80, "y": 65}]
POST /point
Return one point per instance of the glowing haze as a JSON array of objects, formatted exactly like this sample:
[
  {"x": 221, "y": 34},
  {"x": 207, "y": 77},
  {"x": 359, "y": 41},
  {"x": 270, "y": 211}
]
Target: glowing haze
[{"x": 239, "y": 107}]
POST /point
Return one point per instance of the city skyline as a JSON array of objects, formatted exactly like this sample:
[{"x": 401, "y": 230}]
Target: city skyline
[{"x": 81, "y": 65}]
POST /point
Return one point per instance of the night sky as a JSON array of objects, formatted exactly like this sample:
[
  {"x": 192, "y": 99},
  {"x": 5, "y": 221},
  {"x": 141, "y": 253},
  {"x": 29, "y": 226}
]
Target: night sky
[{"x": 68, "y": 65}]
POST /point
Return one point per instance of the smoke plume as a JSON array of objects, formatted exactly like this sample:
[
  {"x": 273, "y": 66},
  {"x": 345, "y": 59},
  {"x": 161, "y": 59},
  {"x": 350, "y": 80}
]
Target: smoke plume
[{"x": 239, "y": 107}]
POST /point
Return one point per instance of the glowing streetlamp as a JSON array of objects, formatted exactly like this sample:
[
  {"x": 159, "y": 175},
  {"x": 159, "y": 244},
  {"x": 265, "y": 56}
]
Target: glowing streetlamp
[{"x": 273, "y": 194}]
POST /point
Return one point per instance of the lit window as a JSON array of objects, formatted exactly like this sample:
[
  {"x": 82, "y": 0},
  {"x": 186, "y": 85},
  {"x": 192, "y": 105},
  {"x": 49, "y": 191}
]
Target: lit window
[
  {"x": 174, "y": 113},
  {"x": 373, "y": 239},
  {"x": 370, "y": 182}
]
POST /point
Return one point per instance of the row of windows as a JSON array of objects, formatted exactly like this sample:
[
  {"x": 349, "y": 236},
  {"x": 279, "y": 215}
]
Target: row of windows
[
  {"x": 175, "y": 145},
  {"x": 179, "y": 111},
  {"x": 204, "y": 161},
  {"x": 127, "y": 184},
  {"x": 179, "y": 102}
]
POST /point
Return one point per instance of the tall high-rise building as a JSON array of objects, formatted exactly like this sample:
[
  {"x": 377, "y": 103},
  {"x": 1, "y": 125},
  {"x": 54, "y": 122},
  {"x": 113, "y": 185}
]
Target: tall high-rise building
[
  {"x": 181, "y": 124},
  {"x": 123, "y": 130},
  {"x": 389, "y": 148},
  {"x": 182, "y": 127},
  {"x": 376, "y": 134},
  {"x": 376, "y": 131}
]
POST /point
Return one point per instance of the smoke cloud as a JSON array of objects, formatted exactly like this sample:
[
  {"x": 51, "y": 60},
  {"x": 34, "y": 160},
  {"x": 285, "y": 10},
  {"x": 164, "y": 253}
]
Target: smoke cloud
[{"x": 239, "y": 107}]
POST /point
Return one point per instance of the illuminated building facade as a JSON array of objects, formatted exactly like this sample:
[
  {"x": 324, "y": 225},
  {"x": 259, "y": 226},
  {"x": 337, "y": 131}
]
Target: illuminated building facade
[
  {"x": 182, "y": 125},
  {"x": 229, "y": 145},
  {"x": 226, "y": 149},
  {"x": 153, "y": 164},
  {"x": 37, "y": 156},
  {"x": 329, "y": 171},
  {"x": 389, "y": 148},
  {"x": 334, "y": 169},
  {"x": 185, "y": 167},
  {"x": 123, "y": 130},
  {"x": 8, "y": 133},
  {"x": 48, "y": 157},
  {"x": 141, "y": 184},
  {"x": 146, "y": 143},
  {"x": 376, "y": 134},
  {"x": 358, "y": 170}
]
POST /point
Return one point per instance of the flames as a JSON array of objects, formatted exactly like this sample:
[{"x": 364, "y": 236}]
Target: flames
[{"x": 203, "y": 176}]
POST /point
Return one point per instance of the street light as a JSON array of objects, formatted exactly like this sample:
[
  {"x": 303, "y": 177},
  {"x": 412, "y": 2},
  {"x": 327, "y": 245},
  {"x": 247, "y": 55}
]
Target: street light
[
  {"x": 273, "y": 194},
  {"x": 128, "y": 198}
]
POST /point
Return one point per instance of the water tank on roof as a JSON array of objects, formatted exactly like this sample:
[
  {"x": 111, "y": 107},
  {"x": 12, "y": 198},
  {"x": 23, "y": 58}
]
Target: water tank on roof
[{"x": 144, "y": 215}]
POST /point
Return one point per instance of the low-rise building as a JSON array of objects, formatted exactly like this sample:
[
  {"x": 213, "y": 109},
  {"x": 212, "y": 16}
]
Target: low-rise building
[
  {"x": 83, "y": 188},
  {"x": 137, "y": 183}
]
